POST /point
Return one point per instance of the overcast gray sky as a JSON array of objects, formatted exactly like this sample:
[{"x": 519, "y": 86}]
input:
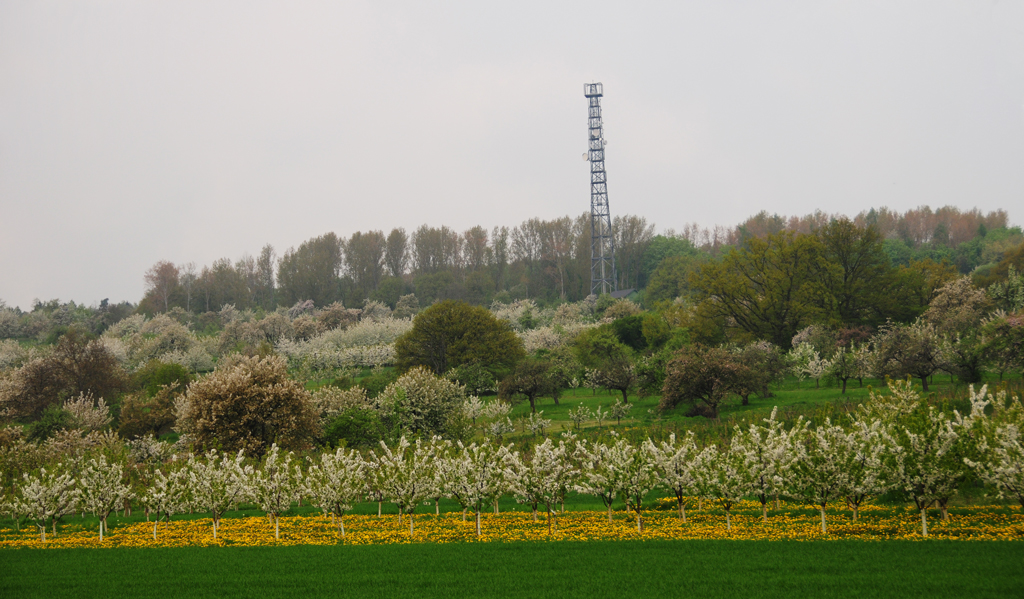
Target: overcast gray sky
[{"x": 132, "y": 132}]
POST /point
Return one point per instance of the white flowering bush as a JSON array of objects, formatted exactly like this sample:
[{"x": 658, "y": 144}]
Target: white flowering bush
[
  {"x": 88, "y": 413},
  {"x": 421, "y": 402},
  {"x": 368, "y": 343},
  {"x": 514, "y": 313},
  {"x": 12, "y": 354}
]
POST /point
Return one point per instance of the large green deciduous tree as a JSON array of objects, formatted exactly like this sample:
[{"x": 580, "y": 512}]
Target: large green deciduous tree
[
  {"x": 768, "y": 289},
  {"x": 860, "y": 277},
  {"x": 452, "y": 333},
  {"x": 671, "y": 279}
]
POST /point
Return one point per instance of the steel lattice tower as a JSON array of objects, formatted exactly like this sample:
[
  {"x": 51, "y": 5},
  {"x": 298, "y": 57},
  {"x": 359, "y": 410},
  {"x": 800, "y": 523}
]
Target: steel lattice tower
[{"x": 602, "y": 242}]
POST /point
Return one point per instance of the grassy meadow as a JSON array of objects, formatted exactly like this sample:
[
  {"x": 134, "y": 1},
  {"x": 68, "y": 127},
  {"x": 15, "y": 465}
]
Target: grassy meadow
[{"x": 704, "y": 569}]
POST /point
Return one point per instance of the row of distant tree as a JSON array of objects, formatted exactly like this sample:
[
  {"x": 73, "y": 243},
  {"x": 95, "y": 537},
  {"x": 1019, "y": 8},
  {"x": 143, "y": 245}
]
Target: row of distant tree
[{"x": 546, "y": 260}]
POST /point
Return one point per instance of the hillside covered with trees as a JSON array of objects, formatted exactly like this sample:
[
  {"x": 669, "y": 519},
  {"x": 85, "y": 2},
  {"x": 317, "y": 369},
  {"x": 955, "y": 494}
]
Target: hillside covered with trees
[{"x": 469, "y": 337}]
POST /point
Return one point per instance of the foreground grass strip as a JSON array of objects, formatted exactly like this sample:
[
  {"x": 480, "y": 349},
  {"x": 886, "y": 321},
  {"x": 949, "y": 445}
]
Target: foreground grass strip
[
  {"x": 706, "y": 569},
  {"x": 979, "y": 523}
]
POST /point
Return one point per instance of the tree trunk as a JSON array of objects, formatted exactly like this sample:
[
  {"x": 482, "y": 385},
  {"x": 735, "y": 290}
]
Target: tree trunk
[
  {"x": 437, "y": 508},
  {"x": 682, "y": 510},
  {"x": 639, "y": 522},
  {"x": 410, "y": 524},
  {"x": 824, "y": 531},
  {"x": 277, "y": 528},
  {"x": 378, "y": 508},
  {"x": 924, "y": 384},
  {"x": 103, "y": 522},
  {"x": 728, "y": 523},
  {"x": 764, "y": 512},
  {"x": 54, "y": 527},
  {"x": 609, "y": 512},
  {"x": 341, "y": 524},
  {"x": 534, "y": 510},
  {"x": 463, "y": 514},
  {"x": 495, "y": 505},
  {"x": 155, "y": 524},
  {"x": 844, "y": 386},
  {"x": 856, "y": 509},
  {"x": 777, "y": 502},
  {"x": 478, "y": 523},
  {"x": 945, "y": 512},
  {"x": 924, "y": 522}
]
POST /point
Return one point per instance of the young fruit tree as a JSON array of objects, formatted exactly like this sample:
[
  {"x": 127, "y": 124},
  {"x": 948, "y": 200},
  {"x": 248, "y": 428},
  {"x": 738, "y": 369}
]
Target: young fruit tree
[
  {"x": 336, "y": 483},
  {"x": 601, "y": 470},
  {"x": 862, "y": 462},
  {"x": 924, "y": 457},
  {"x": 275, "y": 485},
  {"x": 1000, "y": 462},
  {"x": 544, "y": 477},
  {"x": 768, "y": 458},
  {"x": 167, "y": 495},
  {"x": 639, "y": 477},
  {"x": 102, "y": 489},
  {"x": 218, "y": 482},
  {"x": 724, "y": 479},
  {"x": 441, "y": 449},
  {"x": 676, "y": 462},
  {"x": 819, "y": 470},
  {"x": 48, "y": 497},
  {"x": 407, "y": 472},
  {"x": 475, "y": 475}
]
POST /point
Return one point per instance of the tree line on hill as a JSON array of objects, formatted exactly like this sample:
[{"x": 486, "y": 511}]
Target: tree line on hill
[{"x": 548, "y": 260}]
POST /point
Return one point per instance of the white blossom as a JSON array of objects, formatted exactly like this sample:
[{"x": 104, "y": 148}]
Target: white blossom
[
  {"x": 336, "y": 483},
  {"x": 275, "y": 485},
  {"x": 677, "y": 463},
  {"x": 48, "y": 496},
  {"x": 544, "y": 477},
  {"x": 89, "y": 414},
  {"x": 103, "y": 489},
  {"x": 218, "y": 482},
  {"x": 476, "y": 475}
]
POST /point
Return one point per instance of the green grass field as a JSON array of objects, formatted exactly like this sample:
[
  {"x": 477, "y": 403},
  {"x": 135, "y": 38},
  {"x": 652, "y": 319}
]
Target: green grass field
[
  {"x": 793, "y": 398},
  {"x": 705, "y": 569}
]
